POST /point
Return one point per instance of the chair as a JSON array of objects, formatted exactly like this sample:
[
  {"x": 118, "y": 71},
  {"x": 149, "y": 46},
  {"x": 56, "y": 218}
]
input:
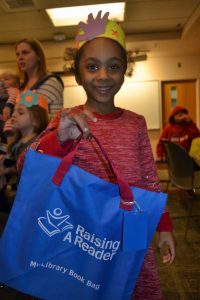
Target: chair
[{"x": 182, "y": 173}]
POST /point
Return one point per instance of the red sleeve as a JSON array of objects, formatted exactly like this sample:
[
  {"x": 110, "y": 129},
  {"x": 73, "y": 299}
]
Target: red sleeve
[
  {"x": 165, "y": 223},
  {"x": 51, "y": 145}
]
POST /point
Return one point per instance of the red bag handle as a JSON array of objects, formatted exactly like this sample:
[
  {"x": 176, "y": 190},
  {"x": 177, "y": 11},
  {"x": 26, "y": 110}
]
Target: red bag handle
[{"x": 126, "y": 195}]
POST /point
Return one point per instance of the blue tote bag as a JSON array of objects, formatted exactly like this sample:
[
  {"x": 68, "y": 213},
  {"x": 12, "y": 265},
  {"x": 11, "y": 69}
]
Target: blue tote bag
[{"x": 71, "y": 235}]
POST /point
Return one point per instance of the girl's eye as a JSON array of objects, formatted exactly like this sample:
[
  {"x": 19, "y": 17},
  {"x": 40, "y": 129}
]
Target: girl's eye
[
  {"x": 92, "y": 67},
  {"x": 114, "y": 67},
  {"x": 19, "y": 111},
  {"x": 23, "y": 53}
]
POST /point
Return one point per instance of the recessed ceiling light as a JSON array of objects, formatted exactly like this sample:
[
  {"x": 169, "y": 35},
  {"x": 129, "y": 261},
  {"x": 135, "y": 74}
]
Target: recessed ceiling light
[
  {"x": 59, "y": 37},
  {"x": 68, "y": 16}
]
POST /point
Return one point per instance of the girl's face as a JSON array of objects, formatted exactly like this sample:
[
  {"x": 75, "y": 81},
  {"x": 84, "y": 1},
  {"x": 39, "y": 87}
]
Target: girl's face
[
  {"x": 22, "y": 118},
  {"x": 27, "y": 59},
  {"x": 181, "y": 117},
  {"x": 101, "y": 70}
]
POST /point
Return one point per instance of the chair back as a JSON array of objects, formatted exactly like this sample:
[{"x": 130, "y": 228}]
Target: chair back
[{"x": 180, "y": 165}]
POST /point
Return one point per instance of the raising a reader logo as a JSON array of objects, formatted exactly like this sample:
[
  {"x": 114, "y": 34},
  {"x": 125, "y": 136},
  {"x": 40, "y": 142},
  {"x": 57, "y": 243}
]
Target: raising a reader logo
[
  {"x": 54, "y": 222},
  {"x": 100, "y": 248}
]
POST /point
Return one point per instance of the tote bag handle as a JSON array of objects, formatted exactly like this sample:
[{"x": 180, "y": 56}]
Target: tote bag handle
[{"x": 126, "y": 195}]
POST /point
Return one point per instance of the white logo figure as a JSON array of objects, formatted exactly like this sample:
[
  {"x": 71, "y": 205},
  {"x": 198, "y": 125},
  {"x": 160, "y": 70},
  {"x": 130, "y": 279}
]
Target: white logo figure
[{"x": 54, "y": 222}]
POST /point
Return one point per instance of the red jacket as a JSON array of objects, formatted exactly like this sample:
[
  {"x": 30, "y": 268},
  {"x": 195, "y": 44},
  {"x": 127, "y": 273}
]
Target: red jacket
[{"x": 182, "y": 133}]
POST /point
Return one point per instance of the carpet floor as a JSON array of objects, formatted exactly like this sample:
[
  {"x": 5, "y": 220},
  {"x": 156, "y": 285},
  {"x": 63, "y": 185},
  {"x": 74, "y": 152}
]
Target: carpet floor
[{"x": 181, "y": 280}]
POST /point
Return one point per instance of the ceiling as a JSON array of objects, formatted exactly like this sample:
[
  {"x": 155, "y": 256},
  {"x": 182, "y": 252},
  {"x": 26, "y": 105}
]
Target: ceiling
[{"x": 154, "y": 26}]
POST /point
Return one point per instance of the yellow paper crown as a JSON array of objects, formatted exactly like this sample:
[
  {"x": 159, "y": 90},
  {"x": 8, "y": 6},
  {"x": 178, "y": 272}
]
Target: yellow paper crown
[{"x": 99, "y": 27}]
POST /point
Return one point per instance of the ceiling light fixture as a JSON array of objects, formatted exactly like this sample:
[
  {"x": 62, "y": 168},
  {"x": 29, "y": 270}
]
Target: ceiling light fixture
[
  {"x": 59, "y": 37},
  {"x": 68, "y": 16}
]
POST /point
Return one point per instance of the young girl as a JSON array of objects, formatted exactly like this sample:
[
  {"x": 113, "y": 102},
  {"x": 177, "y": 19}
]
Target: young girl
[
  {"x": 100, "y": 67},
  {"x": 11, "y": 84},
  {"x": 30, "y": 117}
]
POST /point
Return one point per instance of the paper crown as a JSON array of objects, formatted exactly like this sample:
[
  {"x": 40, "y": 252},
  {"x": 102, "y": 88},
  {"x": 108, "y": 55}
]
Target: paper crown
[
  {"x": 31, "y": 98},
  {"x": 99, "y": 27}
]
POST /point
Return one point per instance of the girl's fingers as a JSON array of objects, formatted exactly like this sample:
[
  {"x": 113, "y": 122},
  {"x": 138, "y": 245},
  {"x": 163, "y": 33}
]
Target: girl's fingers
[
  {"x": 81, "y": 121},
  {"x": 82, "y": 124},
  {"x": 76, "y": 123}
]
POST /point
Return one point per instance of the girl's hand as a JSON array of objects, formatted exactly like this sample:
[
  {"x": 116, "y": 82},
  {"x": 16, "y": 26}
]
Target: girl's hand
[
  {"x": 71, "y": 125},
  {"x": 13, "y": 93},
  {"x": 2, "y": 158},
  {"x": 166, "y": 247}
]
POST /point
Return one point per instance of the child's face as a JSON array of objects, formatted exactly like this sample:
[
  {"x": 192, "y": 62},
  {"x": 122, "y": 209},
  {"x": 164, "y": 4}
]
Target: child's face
[
  {"x": 101, "y": 71},
  {"x": 181, "y": 117},
  {"x": 9, "y": 81},
  {"x": 27, "y": 59},
  {"x": 22, "y": 118}
]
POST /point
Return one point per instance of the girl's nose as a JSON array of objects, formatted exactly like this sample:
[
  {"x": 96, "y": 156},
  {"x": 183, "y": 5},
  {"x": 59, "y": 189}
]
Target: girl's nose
[
  {"x": 102, "y": 74},
  {"x": 19, "y": 56}
]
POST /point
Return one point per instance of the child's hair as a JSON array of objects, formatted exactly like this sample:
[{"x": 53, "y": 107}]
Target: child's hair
[
  {"x": 40, "y": 116},
  {"x": 97, "y": 28},
  {"x": 37, "y": 48}
]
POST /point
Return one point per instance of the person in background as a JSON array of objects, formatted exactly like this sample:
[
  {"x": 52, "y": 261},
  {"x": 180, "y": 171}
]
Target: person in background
[
  {"x": 100, "y": 67},
  {"x": 29, "y": 119},
  {"x": 180, "y": 129},
  {"x": 33, "y": 74},
  {"x": 11, "y": 84},
  {"x": 195, "y": 152},
  {"x": 3, "y": 99}
]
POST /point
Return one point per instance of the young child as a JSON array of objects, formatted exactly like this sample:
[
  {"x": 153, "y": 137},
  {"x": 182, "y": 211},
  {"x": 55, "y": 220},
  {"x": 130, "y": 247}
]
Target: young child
[
  {"x": 11, "y": 84},
  {"x": 3, "y": 99},
  {"x": 180, "y": 129},
  {"x": 29, "y": 119},
  {"x": 100, "y": 66}
]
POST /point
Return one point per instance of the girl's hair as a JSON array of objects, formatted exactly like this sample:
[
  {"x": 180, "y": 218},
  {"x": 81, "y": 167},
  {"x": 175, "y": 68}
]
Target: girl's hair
[
  {"x": 80, "y": 52},
  {"x": 40, "y": 117},
  {"x": 37, "y": 48}
]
